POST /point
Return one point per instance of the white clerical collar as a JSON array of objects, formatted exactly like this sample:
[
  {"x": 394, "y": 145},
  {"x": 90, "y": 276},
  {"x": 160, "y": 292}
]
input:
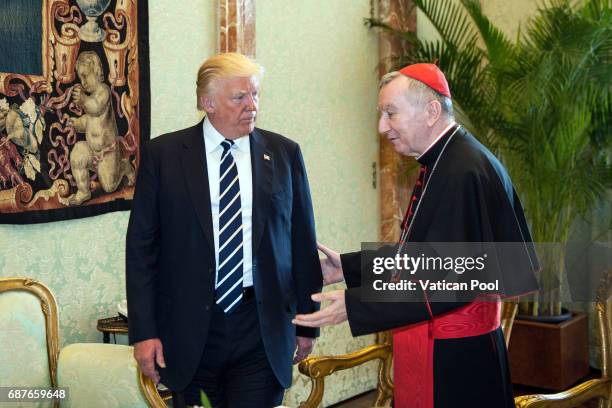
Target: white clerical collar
[
  {"x": 213, "y": 139},
  {"x": 453, "y": 123}
]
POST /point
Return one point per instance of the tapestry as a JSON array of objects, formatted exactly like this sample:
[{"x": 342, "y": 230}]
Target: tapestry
[{"x": 74, "y": 106}]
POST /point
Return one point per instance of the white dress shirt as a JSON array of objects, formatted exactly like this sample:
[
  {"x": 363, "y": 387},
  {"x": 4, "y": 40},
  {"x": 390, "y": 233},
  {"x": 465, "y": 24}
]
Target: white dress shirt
[{"x": 241, "y": 150}]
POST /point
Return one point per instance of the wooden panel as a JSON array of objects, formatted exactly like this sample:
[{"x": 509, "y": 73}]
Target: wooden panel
[{"x": 549, "y": 356}]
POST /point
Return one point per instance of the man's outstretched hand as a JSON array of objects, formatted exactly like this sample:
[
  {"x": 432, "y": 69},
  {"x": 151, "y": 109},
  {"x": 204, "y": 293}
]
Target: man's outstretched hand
[{"x": 333, "y": 314}]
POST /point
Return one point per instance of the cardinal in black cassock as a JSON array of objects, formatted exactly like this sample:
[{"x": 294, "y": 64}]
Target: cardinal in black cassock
[{"x": 446, "y": 353}]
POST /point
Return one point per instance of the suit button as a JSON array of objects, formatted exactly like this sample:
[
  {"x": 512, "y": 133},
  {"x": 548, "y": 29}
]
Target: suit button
[
  {"x": 207, "y": 308},
  {"x": 210, "y": 270}
]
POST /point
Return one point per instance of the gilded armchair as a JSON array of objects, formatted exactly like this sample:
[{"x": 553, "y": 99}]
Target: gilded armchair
[
  {"x": 28, "y": 334},
  {"x": 319, "y": 367},
  {"x": 96, "y": 375},
  {"x": 601, "y": 387}
]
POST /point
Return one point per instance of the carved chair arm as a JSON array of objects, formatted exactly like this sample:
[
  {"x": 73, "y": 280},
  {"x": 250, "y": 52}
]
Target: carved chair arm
[{"x": 600, "y": 387}]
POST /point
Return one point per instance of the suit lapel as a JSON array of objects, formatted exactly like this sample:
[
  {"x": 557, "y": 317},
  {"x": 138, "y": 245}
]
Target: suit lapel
[
  {"x": 262, "y": 164},
  {"x": 193, "y": 161}
]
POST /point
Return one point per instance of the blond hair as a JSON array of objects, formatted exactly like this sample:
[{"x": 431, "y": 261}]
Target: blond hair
[{"x": 221, "y": 66}]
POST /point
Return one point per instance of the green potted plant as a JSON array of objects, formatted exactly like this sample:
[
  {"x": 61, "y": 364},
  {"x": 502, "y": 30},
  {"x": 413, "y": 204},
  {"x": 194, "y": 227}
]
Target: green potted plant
[{"x": 542, "y": 103}]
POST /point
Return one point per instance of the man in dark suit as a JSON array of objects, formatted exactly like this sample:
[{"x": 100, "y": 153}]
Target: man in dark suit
[{"x": 221, "y": 250}]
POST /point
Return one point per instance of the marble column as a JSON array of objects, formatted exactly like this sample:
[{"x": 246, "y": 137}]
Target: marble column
[
  {"x": 236, "y": 26},
  {"x": 397, "y": 173}
]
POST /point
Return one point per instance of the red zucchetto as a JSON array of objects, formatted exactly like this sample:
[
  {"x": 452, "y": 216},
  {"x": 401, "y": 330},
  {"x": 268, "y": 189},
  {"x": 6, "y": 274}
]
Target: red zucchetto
[{"x": 430, "y": 75}]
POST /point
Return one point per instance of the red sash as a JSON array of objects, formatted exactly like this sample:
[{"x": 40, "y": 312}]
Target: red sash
[{"x": 413, "y": 349}]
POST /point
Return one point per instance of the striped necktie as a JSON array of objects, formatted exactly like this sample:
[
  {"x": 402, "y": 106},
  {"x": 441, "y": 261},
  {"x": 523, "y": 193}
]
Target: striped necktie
[{"x": 228, "y": 289}]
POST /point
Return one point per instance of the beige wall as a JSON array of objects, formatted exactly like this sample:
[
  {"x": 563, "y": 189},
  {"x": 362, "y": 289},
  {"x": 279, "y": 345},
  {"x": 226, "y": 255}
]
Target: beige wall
[
  {"x": 510, "y": 15},
  {"x": 181, "y": 38},
  {"x": 320, "y": 89},
  {"x": 507, "y": 15}
]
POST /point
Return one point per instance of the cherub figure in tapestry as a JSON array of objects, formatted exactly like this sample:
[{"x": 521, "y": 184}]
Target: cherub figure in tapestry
[
  {"x": 19, "y": 149},
  {"x": 99, "y": 152}
]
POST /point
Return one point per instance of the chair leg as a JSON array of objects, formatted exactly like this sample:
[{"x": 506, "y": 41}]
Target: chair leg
[{"x": 316, "y": 394}]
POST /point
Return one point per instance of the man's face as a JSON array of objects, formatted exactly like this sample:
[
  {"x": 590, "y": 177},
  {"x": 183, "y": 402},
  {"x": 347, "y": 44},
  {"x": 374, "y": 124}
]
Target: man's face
[
  {"x": 403, "y": 120},
  {"x": 233, "y": 107}
]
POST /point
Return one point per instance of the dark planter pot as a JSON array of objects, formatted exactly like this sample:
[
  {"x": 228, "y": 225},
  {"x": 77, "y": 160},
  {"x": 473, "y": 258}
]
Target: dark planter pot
[
  {"x": 565, "y": 315},
  {"x": 552, "y": 356}
]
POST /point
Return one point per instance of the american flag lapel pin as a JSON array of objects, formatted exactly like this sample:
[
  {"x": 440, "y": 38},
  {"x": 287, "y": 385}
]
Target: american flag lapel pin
[{"x": 266, "y": 157}]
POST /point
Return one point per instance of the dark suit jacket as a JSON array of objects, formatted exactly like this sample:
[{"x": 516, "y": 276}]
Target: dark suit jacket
[{"x": 170, "y": 256}]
